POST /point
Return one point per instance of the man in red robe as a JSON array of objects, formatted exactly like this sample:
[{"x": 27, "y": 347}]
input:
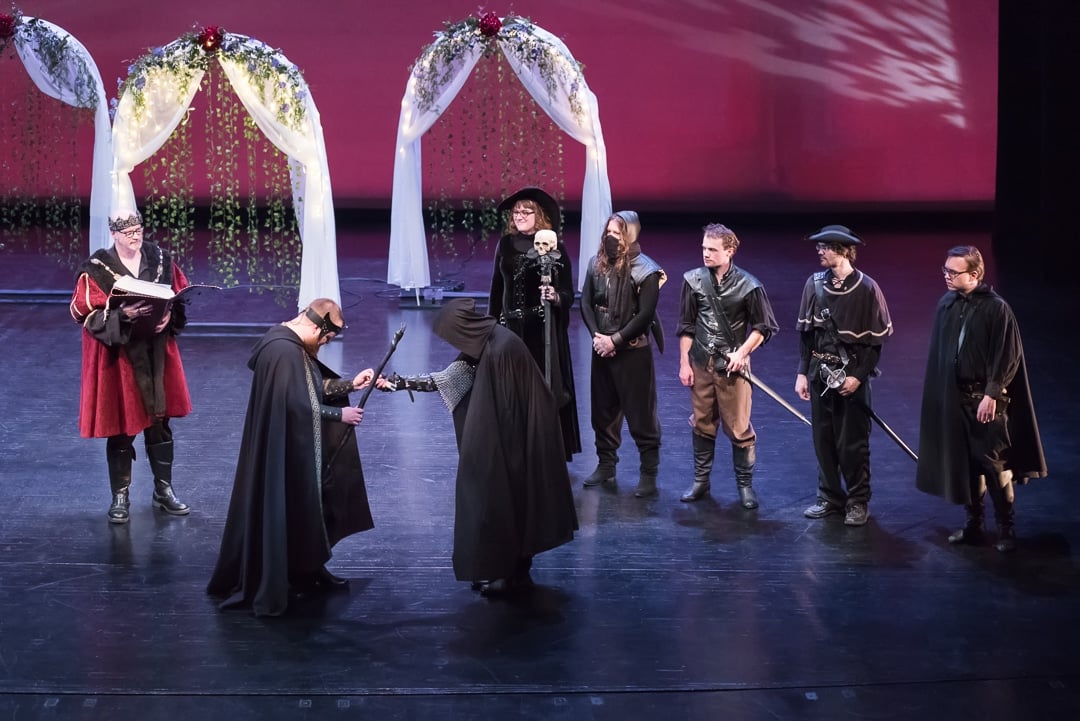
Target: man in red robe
[{"x": 131, "y": 383}]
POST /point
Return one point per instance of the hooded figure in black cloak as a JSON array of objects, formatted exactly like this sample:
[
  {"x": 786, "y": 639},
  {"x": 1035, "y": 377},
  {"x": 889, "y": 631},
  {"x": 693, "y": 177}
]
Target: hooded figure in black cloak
[
  {"x": 978, "y": 429},
  {"x": 513, "y": 497},
  {"x": 299, "y": 487}
]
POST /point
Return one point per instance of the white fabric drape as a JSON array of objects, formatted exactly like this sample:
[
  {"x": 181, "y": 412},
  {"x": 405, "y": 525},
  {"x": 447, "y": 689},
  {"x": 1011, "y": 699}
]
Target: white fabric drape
[
  {"x": 312, "y": 200},
  {"x": 596, "y": 190},
  {"x": 407, "y": 264},
  {"x": 135, "y": 140},
  {"x": 65, "y": 87}
]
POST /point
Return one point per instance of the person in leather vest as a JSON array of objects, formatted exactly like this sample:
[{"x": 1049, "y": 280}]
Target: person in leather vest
[
  {"x": 618, "y": 305},
  {"x": 724, "y": 316}
]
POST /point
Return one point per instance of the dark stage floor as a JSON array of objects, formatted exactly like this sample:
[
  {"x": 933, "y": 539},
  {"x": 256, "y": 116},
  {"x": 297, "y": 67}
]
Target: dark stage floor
[{"x": 658, "y": 609}]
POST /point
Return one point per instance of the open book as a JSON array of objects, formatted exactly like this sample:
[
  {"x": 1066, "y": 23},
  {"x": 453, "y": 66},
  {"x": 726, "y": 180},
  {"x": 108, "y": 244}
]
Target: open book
[{"x": 160, "y": 298}]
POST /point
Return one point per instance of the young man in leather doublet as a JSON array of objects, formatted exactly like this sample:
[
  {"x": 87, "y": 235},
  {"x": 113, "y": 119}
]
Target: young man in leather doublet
[{"x": 725, "y": 315}]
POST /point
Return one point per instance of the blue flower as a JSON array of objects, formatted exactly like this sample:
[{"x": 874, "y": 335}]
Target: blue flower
[
  {"x": 159, "y": 52},
  {"x": 252, "y": 67},
  {"x": 300, "y": 95},
  {"x": 284, "y": 107},
  {"x": 140, "y": 82},
  {"x": 131, "y": 69}
]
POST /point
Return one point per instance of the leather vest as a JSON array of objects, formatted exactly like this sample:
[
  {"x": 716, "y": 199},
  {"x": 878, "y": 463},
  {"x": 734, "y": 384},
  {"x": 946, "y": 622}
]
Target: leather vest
[
  {"x": 711, "y": 333},
  {"x": 641, "y": 267}
]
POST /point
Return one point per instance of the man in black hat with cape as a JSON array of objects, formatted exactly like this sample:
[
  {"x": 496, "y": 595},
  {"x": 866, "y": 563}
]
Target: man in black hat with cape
[{"x": 843, "y": 322}]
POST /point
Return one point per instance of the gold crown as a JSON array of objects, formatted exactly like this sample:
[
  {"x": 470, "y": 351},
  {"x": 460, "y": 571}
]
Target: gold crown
[{"x": 129, "y": 221}]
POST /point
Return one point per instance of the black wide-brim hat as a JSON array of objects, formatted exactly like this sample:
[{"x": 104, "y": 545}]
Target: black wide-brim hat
[
  {"x": 545, "y": 201},
  {"x": 835, "y": 234}
]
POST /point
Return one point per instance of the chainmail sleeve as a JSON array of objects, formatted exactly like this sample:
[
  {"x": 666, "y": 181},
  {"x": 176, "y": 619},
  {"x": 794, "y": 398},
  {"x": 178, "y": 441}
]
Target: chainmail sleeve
[{"x": 454, "y": 382}]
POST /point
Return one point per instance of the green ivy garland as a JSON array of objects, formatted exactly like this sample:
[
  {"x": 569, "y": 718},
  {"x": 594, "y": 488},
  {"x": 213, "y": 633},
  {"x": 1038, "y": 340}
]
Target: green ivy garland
[
  {"x": 40, "y": 209},
  {"x": 249, "y": 243},
  {"x": 493, "y": 140},
  {"x": 58, "y": 59},
  {"x": 438, "y": 61},
  {"x": 181, "y": 59}
]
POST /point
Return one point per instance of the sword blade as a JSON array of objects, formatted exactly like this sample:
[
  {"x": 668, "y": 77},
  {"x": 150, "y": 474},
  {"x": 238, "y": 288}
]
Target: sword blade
[
  {"x": 775, "y": 396},
  {"x": 890, "y": 432}
]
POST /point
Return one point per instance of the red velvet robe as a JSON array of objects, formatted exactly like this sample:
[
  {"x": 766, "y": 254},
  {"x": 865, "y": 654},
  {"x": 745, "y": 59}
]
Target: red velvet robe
[{"x": 110, "y": 402}]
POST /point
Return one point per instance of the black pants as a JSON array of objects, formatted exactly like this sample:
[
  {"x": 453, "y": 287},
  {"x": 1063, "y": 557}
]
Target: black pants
[
  {"x": 624, "y": 386},
  {"x": 842, "y": 443},
  {"x": 157, "y": 432}
]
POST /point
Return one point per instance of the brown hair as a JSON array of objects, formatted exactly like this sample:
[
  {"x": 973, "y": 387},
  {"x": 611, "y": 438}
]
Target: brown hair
[
  {"x": 726, "y": 236},
  {"x": 630, "y": 226},
  {"x": 972, "y": 257},
  {"x": 542, "y": 221}
]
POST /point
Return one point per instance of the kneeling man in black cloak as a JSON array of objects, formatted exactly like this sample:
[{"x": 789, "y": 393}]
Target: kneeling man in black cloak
[
  {"x": 513, "y": 496},
  {"x": 299, "y": 486}
]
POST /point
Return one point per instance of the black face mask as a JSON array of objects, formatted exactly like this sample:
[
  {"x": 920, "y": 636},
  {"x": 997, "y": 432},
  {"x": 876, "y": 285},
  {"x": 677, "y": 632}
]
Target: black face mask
[
  {"x": 323, "y": 323},
  {"x": 611, "y": 247}
]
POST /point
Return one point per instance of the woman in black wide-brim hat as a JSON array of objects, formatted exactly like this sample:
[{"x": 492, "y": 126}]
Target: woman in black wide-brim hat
[{"x": 517, "y": 296}]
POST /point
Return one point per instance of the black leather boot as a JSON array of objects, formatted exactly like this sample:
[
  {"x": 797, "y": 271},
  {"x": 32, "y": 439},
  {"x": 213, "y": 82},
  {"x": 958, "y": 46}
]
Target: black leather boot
[
  {"x": 605, "y": 469},
  {"x": 161, "y": 460},
  {"x": 704, "y": 451},
  {"x": 119, "y": 457},
  {"x": 974, "y": 530},
  {"x": 744, "y": 460},
  {"x": 1001, "y": 494},
  {"x": 650, "y": 468}
]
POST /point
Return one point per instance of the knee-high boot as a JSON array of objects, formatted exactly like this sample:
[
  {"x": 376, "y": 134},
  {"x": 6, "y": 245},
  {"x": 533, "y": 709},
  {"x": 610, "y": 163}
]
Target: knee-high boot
[
  {"x": 744, "y": 460},
  {"x": 1001, "y": 495},
  {"x": 605, "y": 468},
  {"x": 119, "y": 456},
  {"x": 161, "y": 460},
  {"x": 650, "y": 468},
  {"x": 704, "y": 451},
  {"x": 974, "y": 530}
]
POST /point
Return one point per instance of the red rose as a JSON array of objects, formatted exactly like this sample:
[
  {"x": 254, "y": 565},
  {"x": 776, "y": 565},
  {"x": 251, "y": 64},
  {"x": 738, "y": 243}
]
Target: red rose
[
  {"x": 7, "y": 26},
  {"x": 490, "y": 25},
  {"x": 210, "y": 38}
]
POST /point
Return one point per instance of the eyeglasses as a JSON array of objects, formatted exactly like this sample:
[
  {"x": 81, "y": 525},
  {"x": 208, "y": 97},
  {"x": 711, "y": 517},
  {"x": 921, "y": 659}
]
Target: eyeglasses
[
  {"x": 950, "y": 273},
  {"x": 522, "y": 213},
  {"x": 131, "y": 232}
]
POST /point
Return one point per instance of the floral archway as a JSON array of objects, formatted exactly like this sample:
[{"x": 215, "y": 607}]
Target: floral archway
[
  {"x": 155, "y": 97},
  {"x": 554, "y": 79},
  {"x": 62, "y": 68}
]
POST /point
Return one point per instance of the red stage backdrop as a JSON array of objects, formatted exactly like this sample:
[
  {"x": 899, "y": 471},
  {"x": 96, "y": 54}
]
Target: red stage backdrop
[{"x": 718, "y": 105}]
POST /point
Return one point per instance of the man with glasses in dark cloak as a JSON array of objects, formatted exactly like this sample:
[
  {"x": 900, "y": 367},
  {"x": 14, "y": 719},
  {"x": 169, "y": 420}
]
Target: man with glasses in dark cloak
[{"x": 978, "y": 430}]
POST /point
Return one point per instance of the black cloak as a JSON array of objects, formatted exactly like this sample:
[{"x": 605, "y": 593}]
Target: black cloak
[
  {"x": 515, "y": 286},
  {"x": 513, "y": 496},
  {"x": 299, "y": 487},
  {"x": 993, "y": 355}
]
